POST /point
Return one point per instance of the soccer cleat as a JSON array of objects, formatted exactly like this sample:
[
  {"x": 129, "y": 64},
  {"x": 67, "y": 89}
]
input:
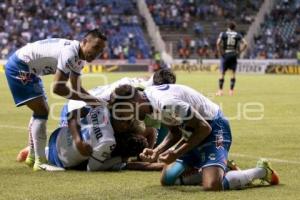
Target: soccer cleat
[
  {"x": 271, "y": 175},
  {"x": 219, "y": 93},
  {"x": 231, "y": 92},
  {"x": 232, "y": 166},
  {"x": 51, "y": 168},
  {"x": 30, "y": 160},
  {"x": 23, "y": 154},
  {"x": 38, "y": 162}
]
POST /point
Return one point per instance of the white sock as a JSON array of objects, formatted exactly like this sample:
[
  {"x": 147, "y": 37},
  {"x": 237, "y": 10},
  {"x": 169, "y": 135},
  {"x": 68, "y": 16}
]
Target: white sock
[
  {"x": 39, "y": 136},
  {"x": 255, "y": 173},
  {"x": 239, "y": 179},
  {"x": 30, "y": 140}
]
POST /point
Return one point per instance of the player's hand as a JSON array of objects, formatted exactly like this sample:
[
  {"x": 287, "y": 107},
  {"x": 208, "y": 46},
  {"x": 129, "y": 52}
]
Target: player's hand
[
  {"x": 149, "y": 155},
  {"x": 167, "y": 157},
  {"x": 84, "y": 148}
]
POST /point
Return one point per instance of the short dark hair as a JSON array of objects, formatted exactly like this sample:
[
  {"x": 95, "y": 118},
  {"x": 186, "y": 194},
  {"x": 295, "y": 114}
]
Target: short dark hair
[
  {"x": 123, "y": 93},
  {"x": 97, "y": 33},
  {"x": 232, "y": 25},
  {"x": 164, "y": 76},
  {"x": 129, "y": 145}
]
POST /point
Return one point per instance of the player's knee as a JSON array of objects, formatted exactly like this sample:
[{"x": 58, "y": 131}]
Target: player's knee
[
  {"x": 167, "y": 179},
  {"x": 44, "y": 112},
  {"x": 213, "y": 185},
  {"x": 41, "y": 113},
  {"x": 168, "y": 176}
]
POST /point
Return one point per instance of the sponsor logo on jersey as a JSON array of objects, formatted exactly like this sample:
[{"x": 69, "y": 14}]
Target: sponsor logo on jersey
[
  {"x": 212, "y": 156},
  {"x": 96, "y": 125},
  {"x": 24, "y": 77}
]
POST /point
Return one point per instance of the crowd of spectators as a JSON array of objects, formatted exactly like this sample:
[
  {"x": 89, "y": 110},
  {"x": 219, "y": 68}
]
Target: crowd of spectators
[
  {"x": 24, "y": 21},
  {"x": 27, "y": 21},
  {"x": 191, "y": 15},
  {"x": 178, "y": 13},
  {"x": 280, "y": 32}
]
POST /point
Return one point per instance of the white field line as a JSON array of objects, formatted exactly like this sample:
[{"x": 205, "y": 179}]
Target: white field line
[
  {"x": 17, "y": 127},
  {"x": 276, "y": 160},
  {"x": 237, "y": 155}
]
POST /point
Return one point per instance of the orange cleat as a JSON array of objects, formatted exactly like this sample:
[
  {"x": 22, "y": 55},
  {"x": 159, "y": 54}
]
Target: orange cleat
[{"x": 21, "y": 157}]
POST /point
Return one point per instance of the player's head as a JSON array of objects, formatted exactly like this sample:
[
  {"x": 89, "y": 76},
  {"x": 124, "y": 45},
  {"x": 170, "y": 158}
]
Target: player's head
[
  {"x": 129, "y": 94},
  {"x": 92, "y": 44},
  {"x": 164, "y": 76},
  {"x": 129, "y": 145},
  {"x": 122, "y": 117},
  {"x": 232, "y": 25}
]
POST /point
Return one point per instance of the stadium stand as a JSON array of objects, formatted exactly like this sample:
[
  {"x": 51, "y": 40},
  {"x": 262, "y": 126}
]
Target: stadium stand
[
  {"x": 21, "y": 23},
  {"x": 189, "y": 27},
  {"x": 199, "y": 22},
  {"x": 280, "y": 32}
]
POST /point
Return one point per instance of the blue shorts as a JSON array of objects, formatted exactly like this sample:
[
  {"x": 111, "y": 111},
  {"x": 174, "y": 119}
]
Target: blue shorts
[
  {"x": 23, "y": 85},
  {"x": 213, "y": 151},
  {"x": 53, "y": 157},
  {"x": 52, "y": 153},
  {"x": 228, "y": 61}
]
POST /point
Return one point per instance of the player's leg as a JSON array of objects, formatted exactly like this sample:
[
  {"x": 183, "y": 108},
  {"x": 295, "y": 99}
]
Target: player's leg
[
  {"x": 232, "y": 83},
  {"x": 241, "y": 179},
  {"x": 214, "y": 165},
  {"x": 38, "y": 123},
  {"x": 27, "y": 89},
  {"x": 27, "y": 154},
  {"x": 233, "y": 77},
  {"x": 30, "y": 159},
  {"x": 212, "y": 178},
  {"x": 171, "y": 173},
  {"x": 52, "y": 152},
  {"x": 213, "y": 154},
  {"x": 181, "y": 172},
  {"x": 222, "y": 76}
]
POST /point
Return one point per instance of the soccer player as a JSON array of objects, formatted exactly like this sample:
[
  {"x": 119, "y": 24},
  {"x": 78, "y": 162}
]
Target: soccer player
[
  {"x": 199, "y": 136},
  {"x": 61, "y": 57},
  {"x": 229, "y": 48},
  {"x": 90, "y": 127},
  {"x": 163, "y": 76},
  {"x": 67, "y": 145}
]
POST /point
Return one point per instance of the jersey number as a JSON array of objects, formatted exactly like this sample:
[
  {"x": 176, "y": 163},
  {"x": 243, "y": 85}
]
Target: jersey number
[{"x": 230, "y": 40}]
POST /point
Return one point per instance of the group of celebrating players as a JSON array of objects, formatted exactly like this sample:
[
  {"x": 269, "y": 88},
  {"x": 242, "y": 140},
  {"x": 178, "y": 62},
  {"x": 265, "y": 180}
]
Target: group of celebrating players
[{"x": 164, "y": 125}]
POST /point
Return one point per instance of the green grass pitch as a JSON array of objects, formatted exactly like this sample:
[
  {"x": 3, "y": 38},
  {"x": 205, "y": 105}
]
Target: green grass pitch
[{"x": 275, "y": 136}]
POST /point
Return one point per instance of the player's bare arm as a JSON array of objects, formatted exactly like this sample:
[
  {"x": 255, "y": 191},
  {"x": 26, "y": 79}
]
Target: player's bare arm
[
  {"x": 76, "y": 92},
  {"x": 244, "y": 45},
  {"x": 198, "y": 129},
  {"x": 151, "y": 155},
  {"x": 84, "y": 148},
  {"x": 219, "y": 47}
]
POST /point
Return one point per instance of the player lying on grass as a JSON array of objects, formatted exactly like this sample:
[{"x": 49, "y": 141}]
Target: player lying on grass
[
  {"x": 104, "y": 92},
  {"x": 61, "y": 57},
  {"x": 198, "y": 130},
  {"x": 90, "y": 142},
  {"x": 149, "y": 128}
]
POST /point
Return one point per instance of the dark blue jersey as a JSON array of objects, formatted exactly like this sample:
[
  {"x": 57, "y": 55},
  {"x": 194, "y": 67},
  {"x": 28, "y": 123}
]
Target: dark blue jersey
[{"x": 230, "y": 41}]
